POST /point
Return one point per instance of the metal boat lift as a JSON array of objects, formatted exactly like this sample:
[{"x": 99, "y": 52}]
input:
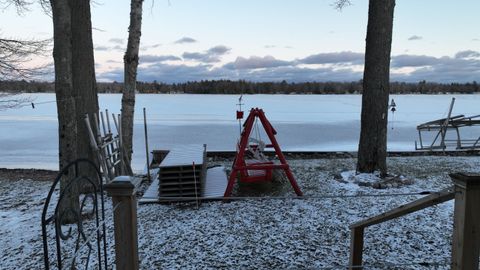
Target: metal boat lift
[{"x": 441, "y": 126}]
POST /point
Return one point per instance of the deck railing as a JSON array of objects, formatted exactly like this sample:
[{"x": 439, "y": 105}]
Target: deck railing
[{"x": 466, "y": 235}]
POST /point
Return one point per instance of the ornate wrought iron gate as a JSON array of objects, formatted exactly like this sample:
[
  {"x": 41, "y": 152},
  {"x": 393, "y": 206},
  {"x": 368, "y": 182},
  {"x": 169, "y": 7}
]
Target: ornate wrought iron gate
[{"x": 75, "y": 221}]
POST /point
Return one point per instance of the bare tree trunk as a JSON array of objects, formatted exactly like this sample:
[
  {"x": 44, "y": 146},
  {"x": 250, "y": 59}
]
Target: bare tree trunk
[
  {"x": 75, "y": 88},
  {"x": 372, "y": 150},
  {"x": 67, "y": 121},
  {"x": 131, "y": 64},
  {"x": 84, "y": 82}
]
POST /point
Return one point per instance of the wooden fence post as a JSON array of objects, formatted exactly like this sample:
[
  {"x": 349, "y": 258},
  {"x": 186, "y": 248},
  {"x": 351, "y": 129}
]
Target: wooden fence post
[
  {"x": 356, "y": 247},
  {"x": 466, "y": 224},
  {"x": 121, "y": 190}
]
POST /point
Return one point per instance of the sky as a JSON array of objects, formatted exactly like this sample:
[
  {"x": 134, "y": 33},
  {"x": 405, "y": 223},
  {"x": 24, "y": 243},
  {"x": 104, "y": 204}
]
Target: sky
[{"x": 272, "y": 40}]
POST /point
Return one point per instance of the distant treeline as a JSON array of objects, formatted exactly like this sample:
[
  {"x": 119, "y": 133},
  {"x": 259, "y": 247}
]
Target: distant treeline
[{"x": 246, "y": 87}]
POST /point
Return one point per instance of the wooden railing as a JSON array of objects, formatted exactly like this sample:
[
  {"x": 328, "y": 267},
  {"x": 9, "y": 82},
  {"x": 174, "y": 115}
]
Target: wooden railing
[{"x": 466, "y": 235}]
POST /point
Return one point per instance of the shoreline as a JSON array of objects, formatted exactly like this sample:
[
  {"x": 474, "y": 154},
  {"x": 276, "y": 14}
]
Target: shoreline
[{"x": 50, "y": 174}]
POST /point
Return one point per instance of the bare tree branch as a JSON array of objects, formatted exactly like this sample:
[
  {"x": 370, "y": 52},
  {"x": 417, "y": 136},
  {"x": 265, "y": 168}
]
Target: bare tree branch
[
  {"x": 340, "y": 4},
  {"x": 14, "y": 54},
  {"x": 47, "y": 8},
  {"x": 20, "y": 5}
]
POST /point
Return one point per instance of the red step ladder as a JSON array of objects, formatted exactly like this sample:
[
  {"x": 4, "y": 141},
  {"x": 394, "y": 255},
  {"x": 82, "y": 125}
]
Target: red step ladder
[{"x": 255, "y": 171}]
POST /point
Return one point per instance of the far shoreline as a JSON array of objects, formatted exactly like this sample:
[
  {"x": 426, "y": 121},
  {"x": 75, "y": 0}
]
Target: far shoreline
[{"x": 241, "y": 87}]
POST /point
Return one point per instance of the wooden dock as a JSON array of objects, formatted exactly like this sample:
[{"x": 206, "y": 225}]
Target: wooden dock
[
  {"x": 215, "y": 183},
  {"x": 183, "y": 175},
  {"x": 213, "y": 188}
]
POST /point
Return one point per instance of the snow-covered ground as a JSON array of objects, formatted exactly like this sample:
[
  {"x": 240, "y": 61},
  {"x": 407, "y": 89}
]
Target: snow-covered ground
[
  {"x": 304, "y": 122},
  {"x": 268, "y": 234}
]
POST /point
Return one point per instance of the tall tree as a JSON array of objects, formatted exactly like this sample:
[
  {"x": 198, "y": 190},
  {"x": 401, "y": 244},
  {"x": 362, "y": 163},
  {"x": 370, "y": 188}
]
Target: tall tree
[
  {"x": 372, "y": 148},
  {"x": 75, "y": 85},
  {"x": 83, "y": 71},
  {"x": 130, "y": 75},
  {"x": 67, "y": 121}
]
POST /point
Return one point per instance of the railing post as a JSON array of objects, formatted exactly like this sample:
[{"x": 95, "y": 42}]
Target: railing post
[
  {"x": 466, "y": 224},
  {"x": 121, "y": 190},
  {"x": 356, "y": 247}
]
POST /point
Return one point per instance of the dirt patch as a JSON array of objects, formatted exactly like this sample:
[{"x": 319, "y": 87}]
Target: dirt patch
[{"x": 33, "y": 174}]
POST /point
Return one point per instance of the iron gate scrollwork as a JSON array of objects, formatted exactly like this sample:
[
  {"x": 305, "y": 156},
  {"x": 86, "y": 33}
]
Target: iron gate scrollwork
[{"x": 84, "y": 234}]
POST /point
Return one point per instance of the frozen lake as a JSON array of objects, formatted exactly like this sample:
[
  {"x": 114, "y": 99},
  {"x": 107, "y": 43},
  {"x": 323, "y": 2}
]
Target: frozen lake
[{"x": 304, "y": 122}]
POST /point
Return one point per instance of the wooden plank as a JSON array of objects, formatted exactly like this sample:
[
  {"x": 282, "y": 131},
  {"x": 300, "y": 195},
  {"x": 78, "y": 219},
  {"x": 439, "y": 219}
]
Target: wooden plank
[
  {"x": 179, "y": 175},
  {"x": 179, "y": 183},
  {"x": 181, "y": 168},
  {"x": 427, "y": 201},
  {"x": 151, "y": 194},
  {"x": 184, "y": 188},
  {"x": 356, "y": 247},
  {"x": 184, "y": 155},
  {"x": 178, "y": 194}
]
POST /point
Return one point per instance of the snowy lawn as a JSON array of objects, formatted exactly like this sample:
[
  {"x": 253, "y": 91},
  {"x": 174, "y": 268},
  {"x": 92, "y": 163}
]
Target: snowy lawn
[{"x": 268, "y": 234}]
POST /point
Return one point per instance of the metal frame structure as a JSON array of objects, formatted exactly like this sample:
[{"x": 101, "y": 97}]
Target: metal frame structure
[
  {"x": 441, "y": 126},
  {"x": 88, "y": 230},
  {"x": 249, "y": 171}
]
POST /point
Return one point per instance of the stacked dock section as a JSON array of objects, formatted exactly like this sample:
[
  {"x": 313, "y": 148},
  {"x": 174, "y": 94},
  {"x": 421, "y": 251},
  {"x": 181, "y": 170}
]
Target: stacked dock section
[{"x": 182, "y": 172}]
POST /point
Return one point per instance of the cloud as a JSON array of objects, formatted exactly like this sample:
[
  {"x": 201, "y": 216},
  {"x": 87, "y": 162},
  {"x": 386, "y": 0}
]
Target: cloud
[
  {"x": 148, "y": 58},
  {"x": 299, "y": 74},
  {"x": 148, "y": 47},
  {"x": 334, "y": 58},
  {"x": 475, "y": 39},
  {"x": 102, "y": 48},
  {"x": 255, "y": 62},
  {"x": 415, "y": 37},
  {"x": 170, "y": 73},
  {"x": 464, "y": 66},
  {"x": 118, "y": 48},
  {"x": 467, "y": 54},
  {"x": 117, "y": 41},
  {"x": 219, "y": 50},
  {"x": 406, "y": 60},
  {"x": 211, "y": 55},
  {"x": 201, "y": 57},
  {"x": 185, "y": 40},
  {"x": 269, "y": 46}
]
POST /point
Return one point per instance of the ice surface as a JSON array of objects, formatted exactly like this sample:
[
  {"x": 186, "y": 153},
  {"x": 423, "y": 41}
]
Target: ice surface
[{"x": 304, "y": 122}]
